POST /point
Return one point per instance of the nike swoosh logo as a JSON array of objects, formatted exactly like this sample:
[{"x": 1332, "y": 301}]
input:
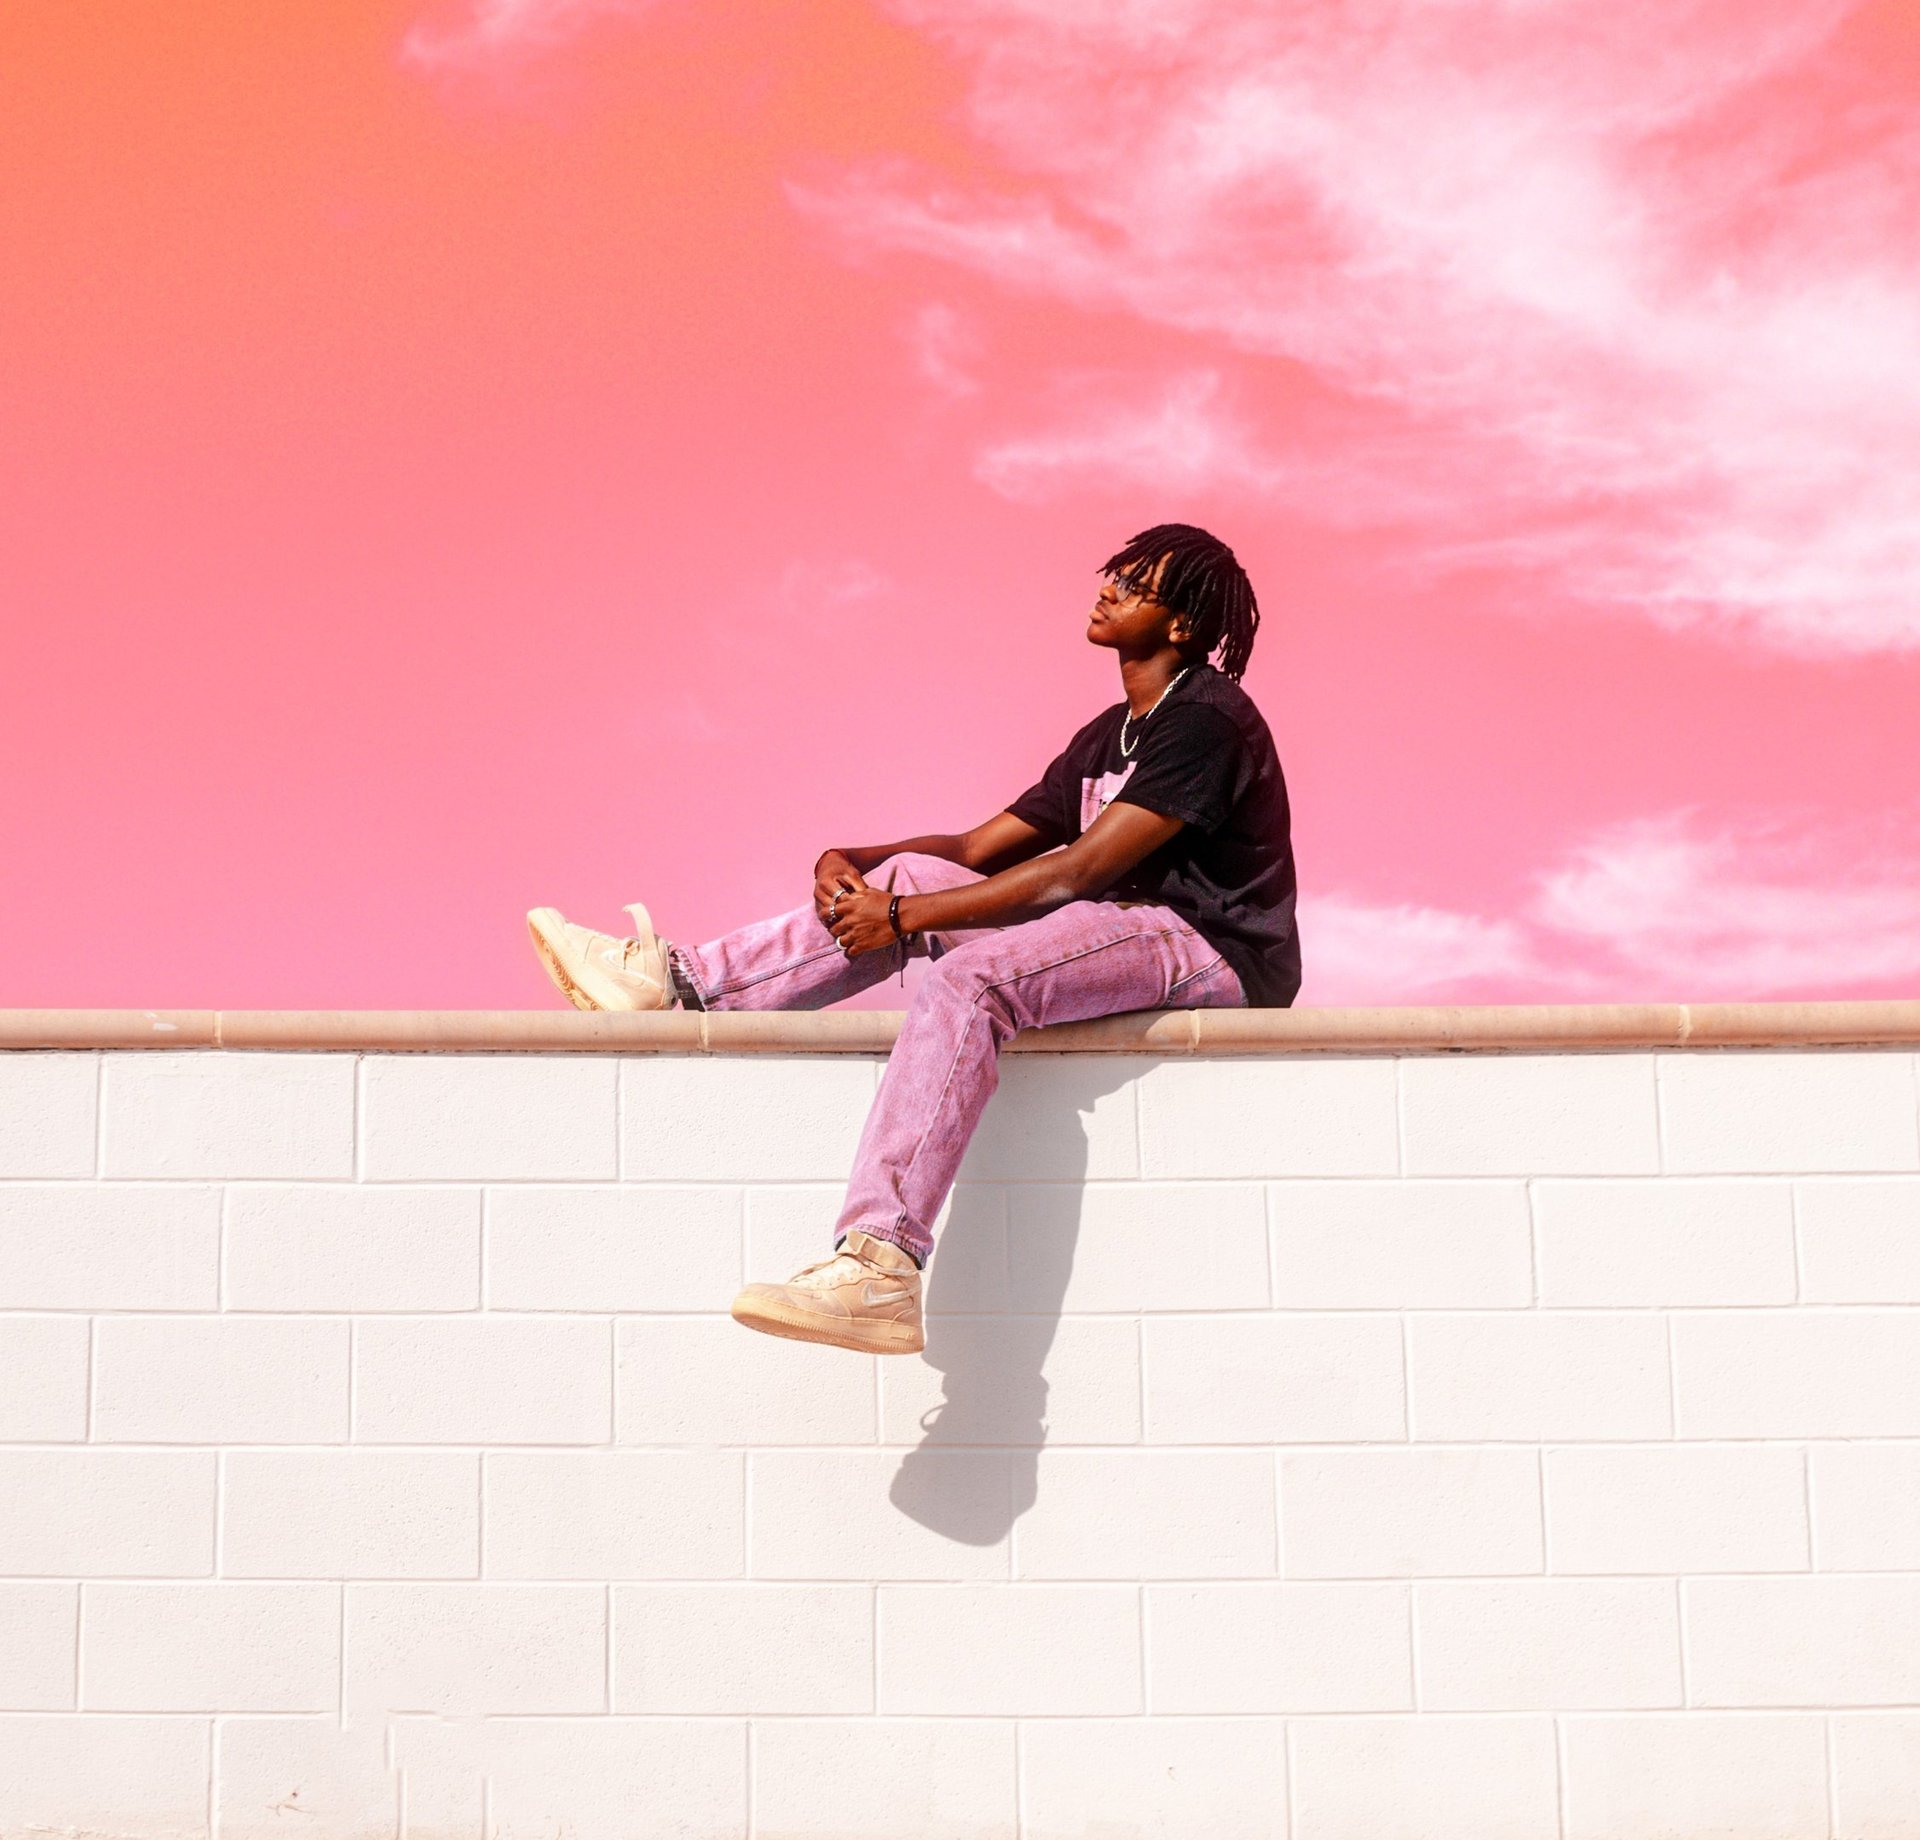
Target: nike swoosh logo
[{"x": 873, "y": 1297}]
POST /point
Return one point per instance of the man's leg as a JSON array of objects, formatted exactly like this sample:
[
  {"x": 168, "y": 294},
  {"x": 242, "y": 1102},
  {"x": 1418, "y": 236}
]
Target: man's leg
[
  {"x": 1088, "y": 958},
  {"x": 792, "y": 962}
]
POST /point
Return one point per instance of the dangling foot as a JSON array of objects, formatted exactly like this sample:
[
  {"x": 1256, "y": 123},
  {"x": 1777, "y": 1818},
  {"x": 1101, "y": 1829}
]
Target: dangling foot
[
  {"x": 865, "y": 1296},
  {"x": 597, "y": 971}
]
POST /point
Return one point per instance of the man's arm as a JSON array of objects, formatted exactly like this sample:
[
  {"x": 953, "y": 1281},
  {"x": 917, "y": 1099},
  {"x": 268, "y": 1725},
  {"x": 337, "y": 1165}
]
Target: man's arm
[
  {"x": 1000, "y": 842},
  {"x": 997, "y": 844},
  {"x": 1093, "y": 862}
]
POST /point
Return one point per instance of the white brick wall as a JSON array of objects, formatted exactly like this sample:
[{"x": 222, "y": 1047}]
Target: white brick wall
[{"x": 1501, "y": 1446}]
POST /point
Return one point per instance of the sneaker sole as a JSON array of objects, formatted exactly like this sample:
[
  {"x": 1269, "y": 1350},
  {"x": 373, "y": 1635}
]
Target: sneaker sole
[
  {"x": 801, "y": 1326},
  {"x": 555, "y": 970},
  {"x": 549, "y": 949}
]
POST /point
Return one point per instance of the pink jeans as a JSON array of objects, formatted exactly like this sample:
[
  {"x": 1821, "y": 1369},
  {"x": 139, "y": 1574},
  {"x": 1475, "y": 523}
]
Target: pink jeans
[{"x": 1087, "y": 958}]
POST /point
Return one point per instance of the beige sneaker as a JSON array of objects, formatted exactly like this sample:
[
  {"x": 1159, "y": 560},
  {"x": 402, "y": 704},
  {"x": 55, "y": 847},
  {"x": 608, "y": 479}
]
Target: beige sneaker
[
  {"x": 865, "y": 1296},
  {"x": 598, "y": 971}
]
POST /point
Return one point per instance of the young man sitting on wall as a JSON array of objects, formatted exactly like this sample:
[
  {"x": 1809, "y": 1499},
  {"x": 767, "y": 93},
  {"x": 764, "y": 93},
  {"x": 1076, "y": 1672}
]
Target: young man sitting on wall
[{"x": 1150, "y": 867}]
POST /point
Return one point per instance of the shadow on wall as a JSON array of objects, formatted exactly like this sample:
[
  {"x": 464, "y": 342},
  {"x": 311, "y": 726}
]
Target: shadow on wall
[{"x": 994, "y": 1396}]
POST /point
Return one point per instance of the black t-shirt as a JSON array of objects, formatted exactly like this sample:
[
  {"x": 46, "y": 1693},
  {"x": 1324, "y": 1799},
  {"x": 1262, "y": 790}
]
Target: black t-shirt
[{"x": 1206, "y": 756}]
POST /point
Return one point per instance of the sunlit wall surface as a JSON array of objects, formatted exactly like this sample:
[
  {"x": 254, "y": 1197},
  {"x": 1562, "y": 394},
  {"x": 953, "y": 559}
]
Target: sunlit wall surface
[{"x": 459, "y": 456}]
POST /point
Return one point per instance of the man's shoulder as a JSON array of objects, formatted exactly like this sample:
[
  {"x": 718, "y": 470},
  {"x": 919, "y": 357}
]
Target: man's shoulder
[
  {"x": 1096, "y": 726},
  {"x": 1216, "y": 698}
]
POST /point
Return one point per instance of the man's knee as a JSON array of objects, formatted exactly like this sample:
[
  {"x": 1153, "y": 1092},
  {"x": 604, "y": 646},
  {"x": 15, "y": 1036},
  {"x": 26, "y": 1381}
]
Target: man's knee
[
  {"x": 908, "y": 872},
  {"x": 969, "y": 972}
]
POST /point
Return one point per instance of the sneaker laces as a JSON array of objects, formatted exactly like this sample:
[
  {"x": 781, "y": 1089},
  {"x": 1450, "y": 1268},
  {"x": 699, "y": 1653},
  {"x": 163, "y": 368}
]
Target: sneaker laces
[
  {"x": 629, "y": 948},
  {"x": 836, "y": 1268},
  {"x": 631, "y": 951}
]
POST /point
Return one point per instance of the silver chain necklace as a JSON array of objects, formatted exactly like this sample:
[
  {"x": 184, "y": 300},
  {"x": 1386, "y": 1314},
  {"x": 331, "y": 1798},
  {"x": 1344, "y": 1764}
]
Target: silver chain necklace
[{"x": 1126, "y": 753}]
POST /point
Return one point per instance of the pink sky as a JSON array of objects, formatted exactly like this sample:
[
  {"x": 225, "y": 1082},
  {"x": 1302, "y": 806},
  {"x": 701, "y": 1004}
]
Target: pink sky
[{"x": 467, "y": 454}]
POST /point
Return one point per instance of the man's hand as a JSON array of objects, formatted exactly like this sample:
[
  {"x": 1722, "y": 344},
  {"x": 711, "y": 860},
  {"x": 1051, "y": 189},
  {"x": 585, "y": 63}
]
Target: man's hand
[
  {"x": 832, "y": 874},
  {"x": 860, "y": 925}
]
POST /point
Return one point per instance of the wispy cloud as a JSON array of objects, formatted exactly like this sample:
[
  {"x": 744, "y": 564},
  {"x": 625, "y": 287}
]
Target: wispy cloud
[
  {"x": 1183, "y": 437},
  {"x": 491, "y": 29},
  {"x": 829, "y": 587},
  {"x": 1667, "y": 907},
  {"x": 1755, "y": 909},
  {"x": 946, "y": 349},
  {"x": 1641, "y": 278},
  {"x": 1363, "y": 952}
]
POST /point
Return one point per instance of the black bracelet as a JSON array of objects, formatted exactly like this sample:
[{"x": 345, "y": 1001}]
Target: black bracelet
[{"x": 893, "y": 917}]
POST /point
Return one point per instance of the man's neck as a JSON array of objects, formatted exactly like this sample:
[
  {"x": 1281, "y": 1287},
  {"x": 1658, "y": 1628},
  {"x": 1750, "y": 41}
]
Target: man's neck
[{"x": 1144, "y": 680}]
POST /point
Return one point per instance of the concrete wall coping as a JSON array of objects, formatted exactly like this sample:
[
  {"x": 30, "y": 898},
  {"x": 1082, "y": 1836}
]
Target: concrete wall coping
[{"x": 1543, "y": 1027}]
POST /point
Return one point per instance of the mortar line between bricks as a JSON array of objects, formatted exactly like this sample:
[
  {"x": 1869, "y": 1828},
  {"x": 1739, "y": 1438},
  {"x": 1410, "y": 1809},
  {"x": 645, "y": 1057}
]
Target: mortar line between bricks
[
  {"x": 1413, "y": 1648},
  {"x": 1541, "y": 1520},
  {"x": 620, "y": 1119},
  {"x": 1139, "y": 1128},
  {"x": 1406, "y": 1375},
  {"x": 1196, "y": 1179},
  {"x": 1400, "y": 1715},
  {"x": 866, "y": 1446},
  {"x": 484, "y": 1276},
  {"x": 1658, "y": 1075},
  {"x": 1560, "y": 1776},
  {"x": 99, "y": 1116},
  {"x": 1680, "y": 1640},
  {"x": 1141, "y": 1621},
  {"x": 751, "y": 1760},
  {"x": 1270, "y": 1219},
  {"x": 1673, "y": 1378},
  {"x": 1033, "y": 1581},
  {"x": 1399, "y": 1121},
  {"x": 1799, "y": 1257},
  {"x": 1833, "y": 1775},
  {"x": 1019, "y": 1779},
  {"x": 1533, "y": 1244},
  {"x": 340, "y": 1659},
  {"x": 1806, "y": 1496},
  {"x": 776, "y": 1581},
  {"x": 1511, "y": 1312},
  {"x": 1289, "y": 1785}
]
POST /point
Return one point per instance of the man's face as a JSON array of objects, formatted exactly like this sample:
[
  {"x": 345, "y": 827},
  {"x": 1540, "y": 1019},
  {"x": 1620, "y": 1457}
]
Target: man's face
[{"x": 1133, "y": 618}]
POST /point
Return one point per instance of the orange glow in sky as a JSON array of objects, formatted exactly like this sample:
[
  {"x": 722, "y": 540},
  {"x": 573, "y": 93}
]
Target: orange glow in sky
[{"x": 460, "y": 455}]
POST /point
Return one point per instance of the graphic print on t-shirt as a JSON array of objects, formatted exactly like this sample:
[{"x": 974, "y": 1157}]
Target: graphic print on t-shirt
[
  {"x": 1205, "y": 757},
  {"x": 1097, "y": 794}
]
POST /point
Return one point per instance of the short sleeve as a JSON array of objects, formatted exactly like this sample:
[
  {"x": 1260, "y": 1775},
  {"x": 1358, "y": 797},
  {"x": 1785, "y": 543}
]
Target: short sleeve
[
  {"x": 1192, "y": 765},
  {"x": 1047, "y": 802}
]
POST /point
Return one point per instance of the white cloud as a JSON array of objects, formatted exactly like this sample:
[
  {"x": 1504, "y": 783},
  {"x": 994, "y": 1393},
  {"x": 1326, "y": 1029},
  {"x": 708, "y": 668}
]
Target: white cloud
[
  {"x": 1651, "y": 320},
  {"x": 1359, "y": 952},
  {"x": 1185, "y": 439},
  {"x": 1746, "y": 910},
  {"x": 946, "y": 349},
  {"x": 489, "y": 29},
  {"x": 829, "y": 587},
  {"x": 1666, "y": 907}
]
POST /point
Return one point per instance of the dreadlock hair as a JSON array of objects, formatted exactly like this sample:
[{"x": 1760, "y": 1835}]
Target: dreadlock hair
[{"x": 1204, "y": 580}]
